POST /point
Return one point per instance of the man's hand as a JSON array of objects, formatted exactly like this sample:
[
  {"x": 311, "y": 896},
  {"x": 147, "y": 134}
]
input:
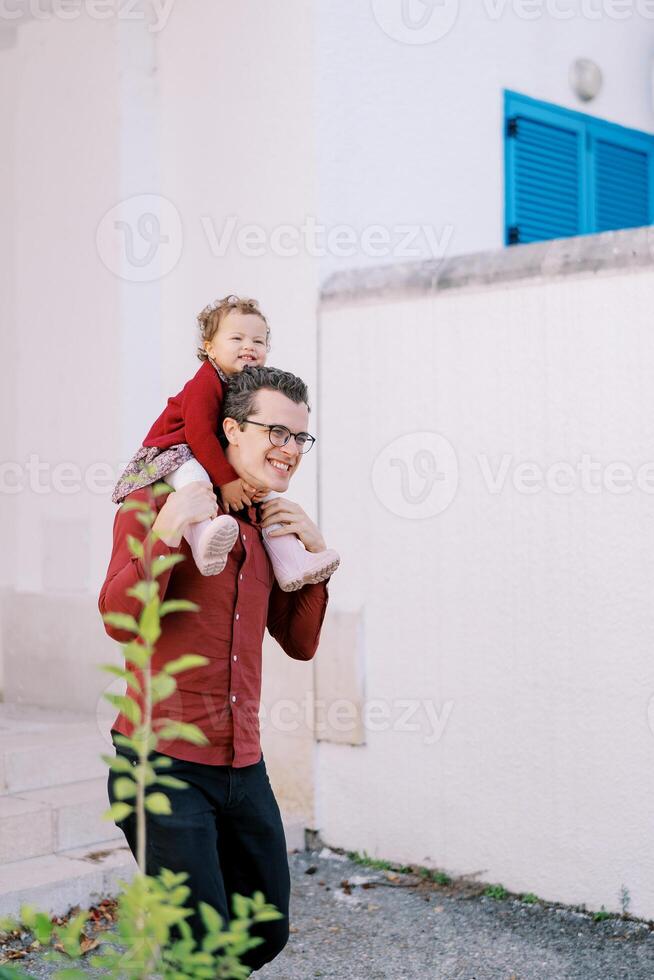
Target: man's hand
[
  {"x": 280, "y": 510},
  {"x": 192, "y": 503},
  {"x": 238, "y": 494}
]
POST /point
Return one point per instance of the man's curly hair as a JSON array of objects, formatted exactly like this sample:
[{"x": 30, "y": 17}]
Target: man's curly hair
[{"x": 242, "y": 388}]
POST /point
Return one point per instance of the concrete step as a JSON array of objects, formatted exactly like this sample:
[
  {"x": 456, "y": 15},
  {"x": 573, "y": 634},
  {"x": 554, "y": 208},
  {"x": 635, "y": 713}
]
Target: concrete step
[
  {"x": 40, "y": 747},
  {"x": 54, "y": 818},
  {"x": 54, "y": 883},
  {"x": 55, "y": 850}
]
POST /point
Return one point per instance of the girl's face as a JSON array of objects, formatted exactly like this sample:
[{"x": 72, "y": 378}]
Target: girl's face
[{"x": 239, "y": 340}]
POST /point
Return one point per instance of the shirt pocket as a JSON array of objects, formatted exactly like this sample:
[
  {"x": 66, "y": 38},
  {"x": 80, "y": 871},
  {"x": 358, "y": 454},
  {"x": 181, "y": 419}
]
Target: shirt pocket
[{"x": 262, "y": 567}]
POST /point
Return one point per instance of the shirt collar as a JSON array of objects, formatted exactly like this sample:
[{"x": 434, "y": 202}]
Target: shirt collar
[{"x": 221, "y": 374}]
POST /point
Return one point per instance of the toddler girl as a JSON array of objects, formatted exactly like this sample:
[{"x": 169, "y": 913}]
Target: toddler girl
[{"x": 183, "y": 446}]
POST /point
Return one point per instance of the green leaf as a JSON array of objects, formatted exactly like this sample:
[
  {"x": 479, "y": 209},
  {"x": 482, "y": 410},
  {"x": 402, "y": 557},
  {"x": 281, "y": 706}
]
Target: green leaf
[
  {"x": 172, "y": 782},
  {"x": 123, "y": 740},
  {"x": 136, "y": 653},
  {"x": 212, "y": 919},
  {"x": 164, "y": 562},
  {"x": 124, "y": 787},
  {"x": 161, "y": 488},
  {"x": 184, "y": 731},
  {"x": 128, "y": 707},
  {"x": 143, "y": 736},
  {"x": 184, "y": 662},
  {"x": 28, "y": 915},
  {"x": 135, "y": 546},
  {"x": 158, "y": 803},
  {"x": 126, "y": 675},
  {"x": 267, "y": 915},
  {"x": 162, "y": 762},
  {"x": 149, "y": 626},
  {"x": 144, "y": 591},
  {"x": 121, "y": 621},
  {"x": 147, "y": 520},
  {"x": 170, "y": 879},
  {"x": 162, "y": 687},
  {"x": 43, "y": 928},
  {"x": 118, "y": 811},
  {"x": 135, "y": 505},
  {"x": 241, "y": 906},
  {"x": 117, "y": 763},
  {"x": 178, "y": 605}
]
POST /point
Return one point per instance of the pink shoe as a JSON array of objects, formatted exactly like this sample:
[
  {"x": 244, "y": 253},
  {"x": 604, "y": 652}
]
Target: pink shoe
[
  {"x": 293, "y": 565},
  {"x": 211, "y": 541}
]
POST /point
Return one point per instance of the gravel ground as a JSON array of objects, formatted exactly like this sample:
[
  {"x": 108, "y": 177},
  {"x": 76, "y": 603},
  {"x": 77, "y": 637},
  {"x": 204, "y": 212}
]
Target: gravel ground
[{"x": 350, "y": 921}]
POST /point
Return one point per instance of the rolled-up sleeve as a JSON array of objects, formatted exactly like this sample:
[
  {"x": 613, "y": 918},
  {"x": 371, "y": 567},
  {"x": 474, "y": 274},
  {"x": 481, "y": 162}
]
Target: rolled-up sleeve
[{"x": 295, "y": 618}]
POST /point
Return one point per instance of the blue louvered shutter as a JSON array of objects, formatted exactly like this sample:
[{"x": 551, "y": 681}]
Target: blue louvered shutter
[
  {"x": 568, "y": 173},
  {"x": 543, "y": 180},
  {"x": 621, "y": 186}
]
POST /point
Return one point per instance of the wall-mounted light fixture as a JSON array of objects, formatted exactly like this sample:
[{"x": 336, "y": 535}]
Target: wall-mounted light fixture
[{"x": 585, "y": 79}]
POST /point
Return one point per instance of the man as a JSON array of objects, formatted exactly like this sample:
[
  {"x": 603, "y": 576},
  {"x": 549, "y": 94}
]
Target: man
[{"x": 225, "y": 829}]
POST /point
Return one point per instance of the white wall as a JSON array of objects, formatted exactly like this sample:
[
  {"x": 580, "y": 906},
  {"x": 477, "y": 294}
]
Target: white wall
[
  {"x": 209, "y": 117},
  {"x": 412, "y": 134},
  {"x": 524, "y": 619},
  {"x": 61, "y": 325}
]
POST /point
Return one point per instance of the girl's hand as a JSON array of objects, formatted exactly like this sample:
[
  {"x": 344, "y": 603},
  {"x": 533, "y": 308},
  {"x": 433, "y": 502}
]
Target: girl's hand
[
  {"x": 281, "y": 510},
  {"x": 235, "y": 496},
  {"x": 192, "y": 503}
]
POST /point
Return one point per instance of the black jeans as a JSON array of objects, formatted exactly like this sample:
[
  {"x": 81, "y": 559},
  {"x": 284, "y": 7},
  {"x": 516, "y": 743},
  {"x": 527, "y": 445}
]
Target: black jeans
[{"x": 226, "y": 831}]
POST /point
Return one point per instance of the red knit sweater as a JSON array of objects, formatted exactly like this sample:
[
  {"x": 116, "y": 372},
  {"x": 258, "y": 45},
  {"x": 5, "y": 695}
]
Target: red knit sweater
[{"x": 193, "y": 416}]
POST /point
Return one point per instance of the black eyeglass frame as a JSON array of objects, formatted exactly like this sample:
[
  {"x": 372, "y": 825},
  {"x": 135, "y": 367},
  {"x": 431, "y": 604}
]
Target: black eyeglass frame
[{"x": 277, "y": 425}]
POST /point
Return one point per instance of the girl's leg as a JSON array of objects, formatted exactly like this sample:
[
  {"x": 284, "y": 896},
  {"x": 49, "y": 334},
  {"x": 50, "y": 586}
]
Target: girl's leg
[
  {"x": 210, "y": 540},
  {"x": 292, "y": 564}
]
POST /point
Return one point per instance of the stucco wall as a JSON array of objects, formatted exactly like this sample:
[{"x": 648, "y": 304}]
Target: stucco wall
[{"x": 504, "y": 596}]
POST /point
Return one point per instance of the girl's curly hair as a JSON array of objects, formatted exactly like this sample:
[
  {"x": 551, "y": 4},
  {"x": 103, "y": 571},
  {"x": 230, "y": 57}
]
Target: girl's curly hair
[{"x": 210, "y": 318}]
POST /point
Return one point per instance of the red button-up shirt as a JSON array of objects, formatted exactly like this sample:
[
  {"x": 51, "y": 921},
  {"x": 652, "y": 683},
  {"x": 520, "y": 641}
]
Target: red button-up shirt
[{"x": 223, "y": 696}]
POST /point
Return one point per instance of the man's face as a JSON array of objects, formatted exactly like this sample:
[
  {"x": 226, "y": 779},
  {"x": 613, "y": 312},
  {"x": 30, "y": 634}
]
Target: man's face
[{"x": 250, "y": 451}]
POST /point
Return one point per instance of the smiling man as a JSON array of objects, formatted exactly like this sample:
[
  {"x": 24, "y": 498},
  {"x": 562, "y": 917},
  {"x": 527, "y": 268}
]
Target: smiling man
[{"x": 225, "y": 829}]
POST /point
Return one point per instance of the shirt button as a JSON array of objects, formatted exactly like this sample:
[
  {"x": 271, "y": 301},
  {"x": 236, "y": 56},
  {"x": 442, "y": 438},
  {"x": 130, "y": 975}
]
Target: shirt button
[
  {"x": 237, "y": 615},
  {"x": 233, "y": 697},
  {"x": 235, "y": 657},
  {"x": 240, "y": 578},
  {"x": 244, "y": 537}
]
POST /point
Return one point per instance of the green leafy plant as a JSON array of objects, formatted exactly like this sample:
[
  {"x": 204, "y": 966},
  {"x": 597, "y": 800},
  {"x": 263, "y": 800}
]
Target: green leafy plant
[
  {"x": 151, "y": 923},
  {"x": 496, "y": 891}
]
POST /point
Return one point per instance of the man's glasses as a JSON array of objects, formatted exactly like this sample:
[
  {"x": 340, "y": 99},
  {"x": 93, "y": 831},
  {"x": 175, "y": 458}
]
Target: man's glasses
[{"x": 279, "y": 435}]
